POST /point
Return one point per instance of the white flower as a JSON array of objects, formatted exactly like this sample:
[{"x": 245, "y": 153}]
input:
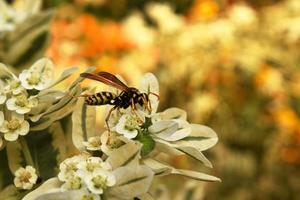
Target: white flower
[
  {"x": 93, "y": 143},
  {"x": 74, "y": 182},
  {"x": 13, "y": 86},
  {"x": 92, "y": 164},
  {"x": 69, "y": 166},
  {"x": 21, "y": 103},
  {"x": 99, "y": 181},
  {"x": 25, "y": 178},
  {"x": 109, "y": 142},
  {"x": 165, "y": 17},
  {"x": 128, "y": 126},
  {"x": 39, "y": 76},
  {"x": 10, "y": 16},
  {"x": 14, "y": 127}
]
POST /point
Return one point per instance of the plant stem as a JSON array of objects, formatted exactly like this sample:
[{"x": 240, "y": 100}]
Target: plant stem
[{"x": 26, "y": 152}]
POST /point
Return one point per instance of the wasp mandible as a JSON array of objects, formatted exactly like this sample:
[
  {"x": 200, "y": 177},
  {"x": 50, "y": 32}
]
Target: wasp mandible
[{"x": 128, "y": 97}]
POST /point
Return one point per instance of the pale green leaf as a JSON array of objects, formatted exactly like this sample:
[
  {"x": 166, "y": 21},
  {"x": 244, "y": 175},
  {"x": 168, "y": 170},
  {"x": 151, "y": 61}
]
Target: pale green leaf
[
  {"x": 196, "y": 154},
  {"x": 201, "y": 138},
  {"x": 58, "y": 141},
  {"x": 127, "y": 154},
  {"x": 173, "y": 113},
  {"x": 15, "y": 156},
  {"x": 49, "y": 186},
  {"x": 132, "y": 181},
  {"x": 83, "y": 119},
  {"x": 66, "y": 73}
]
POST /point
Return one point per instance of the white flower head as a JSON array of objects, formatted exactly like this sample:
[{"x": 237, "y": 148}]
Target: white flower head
[
  {"x": 25, "y": 178},
  {"x": 69, "y": 166},
  {"x": 90, "y": 165},
  {"x": 128, "y": 126},
  {"x": 93, "y": 143},
  {"x": 14, "y": 127},
  {"x": 73, "y": 182},
  {"x": 21, "y": 103},
  {"x": 99, "y": 181},
  {"x": 109, "y": 142},
  {"x": 39, "y": 76},
  {"x": 13, "y": 86}
]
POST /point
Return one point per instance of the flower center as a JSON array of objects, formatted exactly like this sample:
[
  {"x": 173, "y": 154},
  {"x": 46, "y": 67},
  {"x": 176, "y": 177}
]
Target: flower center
[
  {"x": 87, "y": 197},
  {"x": 13, "y": 124},
  {"x": 14, "y": 84},
  {"x": 99, "y": 182},
  {"x": 25, "y": 176},
  {"x": 75, "y": 183},
  {"x": 131, "y": 123},
  {"x": 34, "y": 79},
  {"x": 21, "y": 100},
  {"x": 71, "y": 167},
  {"x": 95, "y": 142},
  {"x": 91, "y": 166}
]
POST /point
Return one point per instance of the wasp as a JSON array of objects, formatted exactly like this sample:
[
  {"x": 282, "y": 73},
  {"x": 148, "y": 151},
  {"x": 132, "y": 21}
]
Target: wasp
[{"x": 129, "y": 96}]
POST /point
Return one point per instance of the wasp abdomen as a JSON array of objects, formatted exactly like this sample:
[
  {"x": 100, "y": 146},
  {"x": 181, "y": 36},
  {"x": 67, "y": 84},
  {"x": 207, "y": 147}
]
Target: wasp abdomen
[{"x": 101, "y": 98}]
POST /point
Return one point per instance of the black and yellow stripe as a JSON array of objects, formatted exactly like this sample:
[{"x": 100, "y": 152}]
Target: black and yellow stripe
[{"x": 101, "y": 98}]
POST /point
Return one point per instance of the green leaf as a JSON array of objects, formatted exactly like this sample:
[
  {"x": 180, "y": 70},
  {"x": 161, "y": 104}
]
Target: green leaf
[{"x": 147, "y": 142}]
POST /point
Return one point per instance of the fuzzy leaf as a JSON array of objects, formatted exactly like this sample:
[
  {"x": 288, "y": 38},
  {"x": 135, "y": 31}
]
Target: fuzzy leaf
[
  {"x": 157, "y": 166},
  {"x": 51, "y": 185},
  {"x": 66, "y": 73},
  {"x": 196, "y": 154},
  {"x": 131, "y": 181},
  {"x": 127, "y": 154},
  {"x": 173, "y": 113},
  {"x": 11, "y": 193},
  {"x": 15, "y": 156},
  {"x": 83, "y": 119},
  {"x": 201, "y": 138},
  {"x": 28, "y": 41},
  {"x": 58, "y": 141}
]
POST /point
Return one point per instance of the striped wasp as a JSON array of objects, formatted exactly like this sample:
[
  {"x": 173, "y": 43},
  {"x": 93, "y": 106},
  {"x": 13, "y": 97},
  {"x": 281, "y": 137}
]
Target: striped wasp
[{"x": 128, "y": 97}]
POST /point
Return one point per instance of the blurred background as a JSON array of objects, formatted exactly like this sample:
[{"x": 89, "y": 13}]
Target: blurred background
[{"x": 232, "y": 65}]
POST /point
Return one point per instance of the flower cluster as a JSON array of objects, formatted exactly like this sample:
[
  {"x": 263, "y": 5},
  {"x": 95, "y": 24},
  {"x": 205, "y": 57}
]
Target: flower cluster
[
  {"x": 10, "y": 16},
  {"x": 22, "y": 97},
  {"x": 86, "y": 173}
]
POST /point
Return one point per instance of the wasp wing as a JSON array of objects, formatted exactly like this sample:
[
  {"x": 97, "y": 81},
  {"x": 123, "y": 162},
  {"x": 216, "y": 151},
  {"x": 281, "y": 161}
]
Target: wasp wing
[{"x": 106, "y": 78}]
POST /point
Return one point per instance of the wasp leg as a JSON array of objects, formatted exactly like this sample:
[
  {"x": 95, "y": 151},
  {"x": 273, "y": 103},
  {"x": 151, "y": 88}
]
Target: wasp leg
[
  {"x": 155, "y": 95},
  {"x": 108, "y": 116},
  {"x": 133, "y": 109},
  {"x": 148, "y": 104}
]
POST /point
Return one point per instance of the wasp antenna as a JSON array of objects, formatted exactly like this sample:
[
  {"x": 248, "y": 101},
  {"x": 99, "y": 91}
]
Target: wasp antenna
[{"x": 155, "y": 95}]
